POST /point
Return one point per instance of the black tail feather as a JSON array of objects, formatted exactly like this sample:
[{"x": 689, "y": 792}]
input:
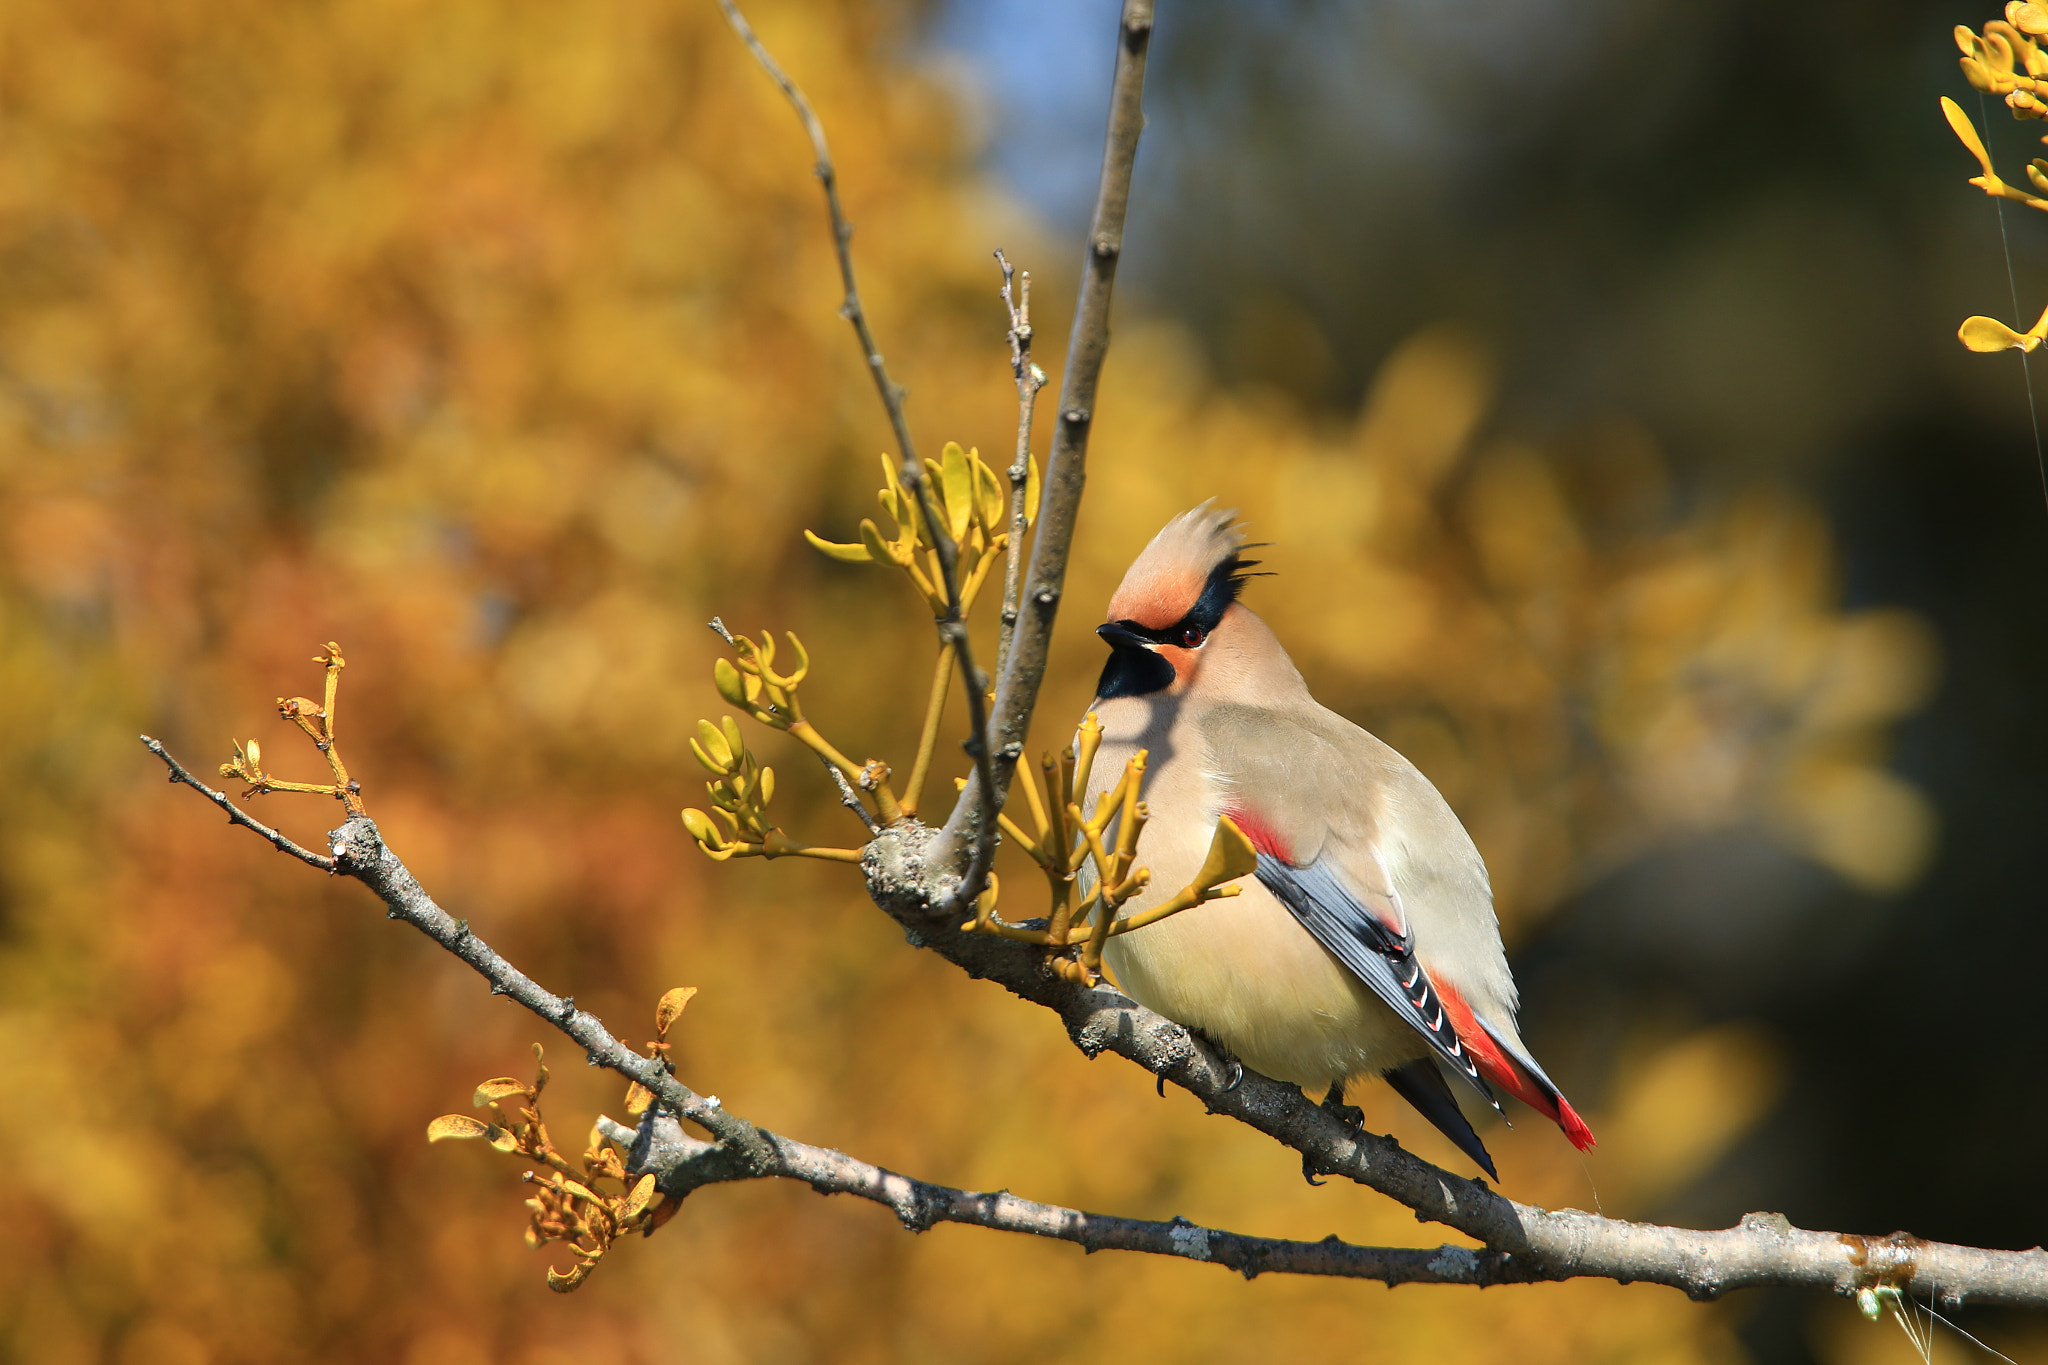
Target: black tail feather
[{"x": 1423, "y": 1086}]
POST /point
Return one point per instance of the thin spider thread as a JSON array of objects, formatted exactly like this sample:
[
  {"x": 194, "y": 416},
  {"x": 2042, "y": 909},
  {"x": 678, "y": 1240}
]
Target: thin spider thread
[
  {"x": 2012, "y": 283},
  {"x": 1922, "y": 1334}
]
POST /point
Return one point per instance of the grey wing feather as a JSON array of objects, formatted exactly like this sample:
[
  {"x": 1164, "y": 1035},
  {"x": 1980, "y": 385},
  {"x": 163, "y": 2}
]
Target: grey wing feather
[{"x": 1376, "y": 955}]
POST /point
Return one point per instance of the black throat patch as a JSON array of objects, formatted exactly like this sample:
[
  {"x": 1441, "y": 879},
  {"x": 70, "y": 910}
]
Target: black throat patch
[{"x": 1133, "y": 672}]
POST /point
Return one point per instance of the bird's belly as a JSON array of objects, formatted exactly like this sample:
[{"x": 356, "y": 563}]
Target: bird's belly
[{"x": 1246, "y": 974}]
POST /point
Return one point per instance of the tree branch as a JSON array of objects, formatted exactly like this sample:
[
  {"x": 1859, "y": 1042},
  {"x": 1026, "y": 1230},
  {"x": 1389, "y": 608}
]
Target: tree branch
[
  {"x": 684, "y": 1165},
  {"x": 1016, "y": 296},
  {"x": 1763, "y": 1249},
  {"x": 359, "y": 852},
  {"x": 1524, "y": 1244},
  {"x": 952, "y": 627},
  {"x": 1065, "y": 469},
  {"x": 236, "y": 815}
]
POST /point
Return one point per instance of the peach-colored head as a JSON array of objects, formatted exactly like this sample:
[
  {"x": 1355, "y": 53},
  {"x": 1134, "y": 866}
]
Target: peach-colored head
[
  {"x": 1175, "y": 618},
  {"x": 1169, "y": 576}
]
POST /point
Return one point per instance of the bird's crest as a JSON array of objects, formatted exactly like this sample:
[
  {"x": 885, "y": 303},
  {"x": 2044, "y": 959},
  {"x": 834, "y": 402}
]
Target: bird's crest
[{"x": 1195, "y": 556}]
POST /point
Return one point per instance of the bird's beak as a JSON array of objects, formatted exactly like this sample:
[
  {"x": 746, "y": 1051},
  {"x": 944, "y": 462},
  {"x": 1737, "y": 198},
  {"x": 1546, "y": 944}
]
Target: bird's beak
[{"x": 1121, "y": 636}]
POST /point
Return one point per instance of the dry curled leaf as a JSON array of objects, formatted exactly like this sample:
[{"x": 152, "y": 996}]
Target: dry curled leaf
[
  {"x": 498, "y": 1088},
  {"x": 671, "y": 1008},
  {"x": 457, "y": 1126}
]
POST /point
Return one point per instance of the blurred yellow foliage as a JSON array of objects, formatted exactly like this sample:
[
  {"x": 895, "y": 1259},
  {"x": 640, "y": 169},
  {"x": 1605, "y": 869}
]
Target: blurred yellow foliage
[{"x": 499, "y": 341}]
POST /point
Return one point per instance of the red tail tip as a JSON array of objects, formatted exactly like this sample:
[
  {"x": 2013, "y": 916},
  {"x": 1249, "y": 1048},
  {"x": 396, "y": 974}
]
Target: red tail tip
[{"x": 1574, "y": 1127}]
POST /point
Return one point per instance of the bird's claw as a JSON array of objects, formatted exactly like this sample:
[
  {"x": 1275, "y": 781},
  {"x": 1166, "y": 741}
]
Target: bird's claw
[
  {"x": 1350, "y": 1115},
  {"x": 1224, "y": 1057}
]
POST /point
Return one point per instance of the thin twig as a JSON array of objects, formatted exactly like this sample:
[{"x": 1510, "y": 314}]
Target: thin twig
[
  {"x": 850, "y": 798},
  {"x": 847, "y": 796},
  {"x": 359, "y": 851},
  {"x": 236, "y": 816},
  {"x": 952, "y": 626},
  {"x": 842, "y": 240},
  {"x": 1016, "y": 296},
  {"x": 1066, "y": 465}
]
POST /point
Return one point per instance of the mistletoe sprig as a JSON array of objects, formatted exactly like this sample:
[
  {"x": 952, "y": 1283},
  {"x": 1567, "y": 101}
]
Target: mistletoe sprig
[
  {"x": 573, "y": 1203},
  {"x": 1090, "y": 872}
]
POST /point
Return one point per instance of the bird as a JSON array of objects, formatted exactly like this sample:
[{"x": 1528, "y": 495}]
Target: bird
[{"x": 1366, "y": 944}]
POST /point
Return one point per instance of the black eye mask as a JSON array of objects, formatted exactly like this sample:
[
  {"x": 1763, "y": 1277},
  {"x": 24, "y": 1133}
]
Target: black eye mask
[{"x": 1135, "y": 671}]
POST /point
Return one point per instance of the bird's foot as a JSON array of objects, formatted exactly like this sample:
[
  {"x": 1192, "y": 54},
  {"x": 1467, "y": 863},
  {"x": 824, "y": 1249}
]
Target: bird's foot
[
  {"x": 1350, "y": 1115},
  {"x": 1224, "y": 1058}
]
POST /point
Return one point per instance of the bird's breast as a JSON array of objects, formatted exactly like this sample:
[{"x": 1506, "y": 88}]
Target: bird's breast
[{"x": 1242, "y": 970}]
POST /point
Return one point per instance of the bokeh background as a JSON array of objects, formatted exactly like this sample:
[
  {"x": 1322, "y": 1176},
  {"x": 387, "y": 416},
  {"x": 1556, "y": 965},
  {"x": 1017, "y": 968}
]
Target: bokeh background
[{"x": 1591, "y": 367}]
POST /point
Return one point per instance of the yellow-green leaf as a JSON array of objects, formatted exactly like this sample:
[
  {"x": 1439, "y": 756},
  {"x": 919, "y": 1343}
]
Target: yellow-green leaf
[
  {"x": 988, "y": 500},
  {"x": 733, "y": 738},
  {"x": 456, "y": 1126},
  {"x": 1031, "y": 491},
  {"x": 1960, "y": 124},
  {"x": 714, "y": 740},
  {"x": 850, "y": 554},
  {"x": 702, "y": 830},
  {"x": 726, "y": 679},
  {"x": 638, "y": 1097},
  {"x": 501, "y": 1087},
  {"x": 671, "y": 1008},
  {"x": 255, "y": 752},
  {"x": 956, "y": 478},
  {"x": 767, "y": 785},
  {"x": 540, "y": 1078},
  {"x": 711, "y": 749},
  {"x": 878, "y": 549},
  {"x": 1989, "y": 334}
]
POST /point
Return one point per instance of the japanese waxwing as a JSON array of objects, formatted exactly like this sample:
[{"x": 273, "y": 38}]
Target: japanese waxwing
[{"x": 1367, "y": 944}]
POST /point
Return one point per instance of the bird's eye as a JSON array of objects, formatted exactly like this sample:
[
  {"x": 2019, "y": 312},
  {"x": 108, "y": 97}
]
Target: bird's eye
[{"x": 1193, "y": 636}]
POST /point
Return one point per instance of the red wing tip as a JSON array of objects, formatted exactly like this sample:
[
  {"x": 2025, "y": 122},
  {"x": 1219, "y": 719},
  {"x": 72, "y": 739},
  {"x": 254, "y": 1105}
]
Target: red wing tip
[{"x": 1574, "y": 1127}]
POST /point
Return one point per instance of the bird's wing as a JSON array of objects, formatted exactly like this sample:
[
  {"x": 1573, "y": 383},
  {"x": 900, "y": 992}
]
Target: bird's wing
[
  {"x": 1320, "y": 799},
  {"x": 1357, "y": 935}
]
